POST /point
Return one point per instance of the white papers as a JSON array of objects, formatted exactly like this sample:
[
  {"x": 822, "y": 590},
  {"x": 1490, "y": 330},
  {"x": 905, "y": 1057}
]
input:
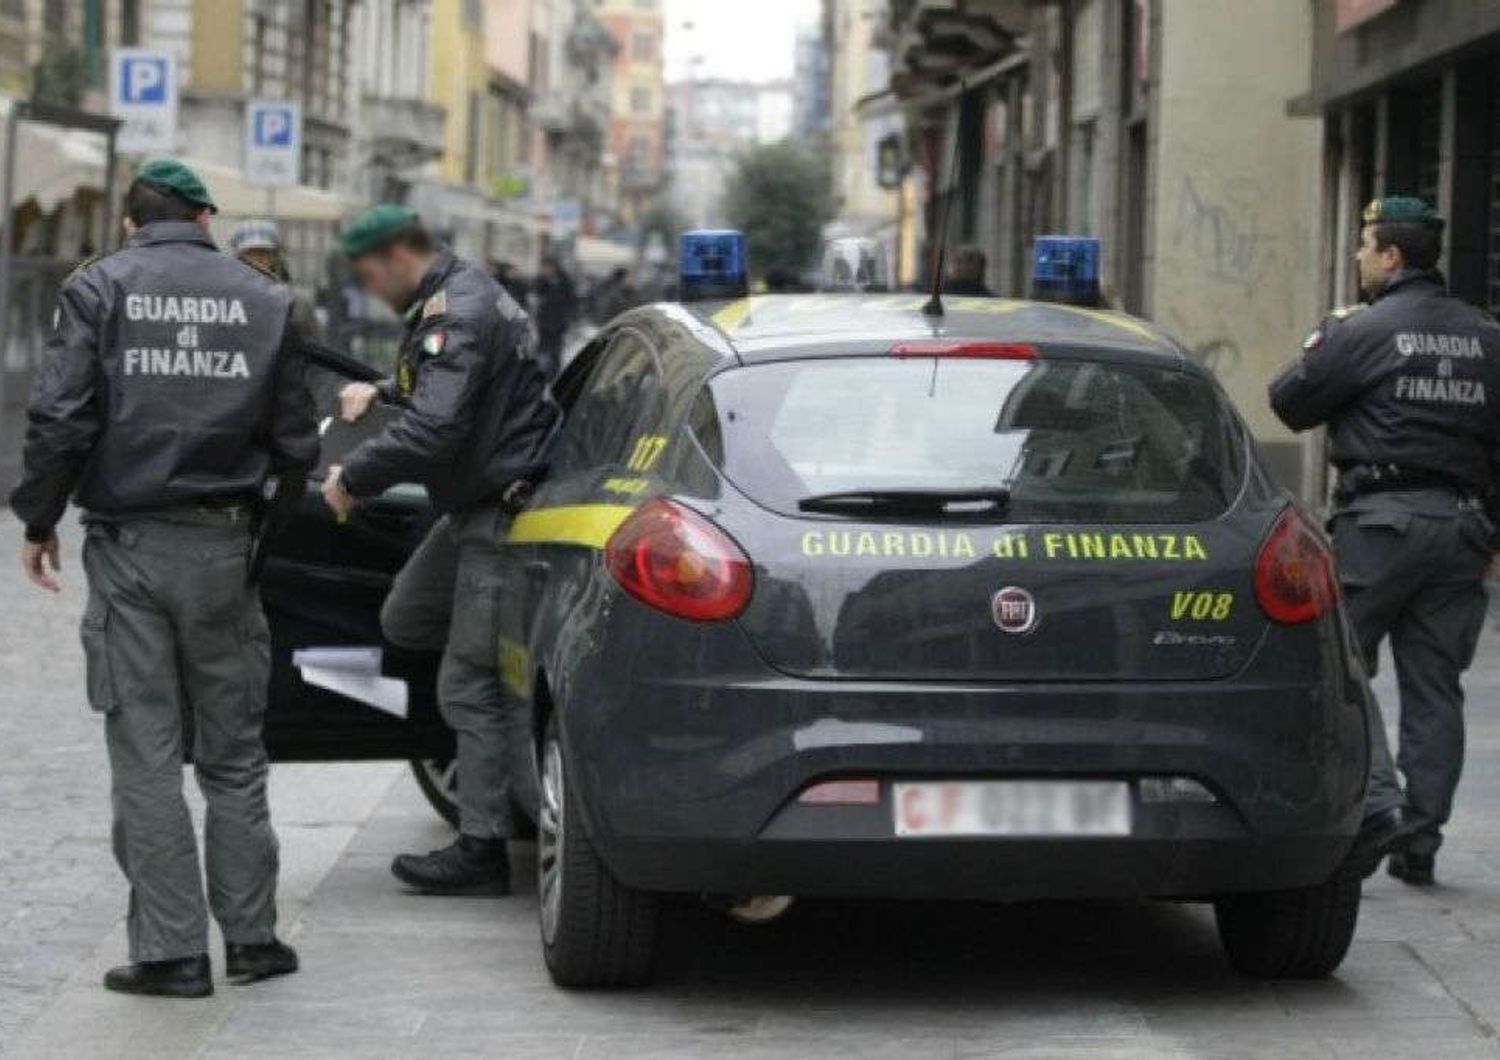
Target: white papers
[{"x": 352, "y": 672}]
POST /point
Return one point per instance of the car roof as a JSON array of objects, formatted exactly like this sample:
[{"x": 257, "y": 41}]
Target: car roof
[{"x": 781, "y": 326}]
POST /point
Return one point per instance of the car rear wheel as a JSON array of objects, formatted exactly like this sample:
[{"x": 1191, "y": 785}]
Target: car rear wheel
[
  {"x": 595, "y": 930},
  {"x": 1297, "y": 934},
  {"x": 438, "y": 779}
]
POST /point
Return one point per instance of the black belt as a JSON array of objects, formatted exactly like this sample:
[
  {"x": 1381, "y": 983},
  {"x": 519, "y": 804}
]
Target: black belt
[{"x": 1358, "y": 480}]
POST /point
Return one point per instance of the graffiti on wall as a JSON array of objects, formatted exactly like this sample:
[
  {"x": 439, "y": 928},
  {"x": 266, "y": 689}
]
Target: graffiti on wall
[{"x": 1222, "y": 237}]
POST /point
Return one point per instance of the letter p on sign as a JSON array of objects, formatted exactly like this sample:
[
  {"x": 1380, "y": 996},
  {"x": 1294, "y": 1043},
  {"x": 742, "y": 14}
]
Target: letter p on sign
[
  {"x": 273, "y": 128},
  {"x": 145, "y": 80}
]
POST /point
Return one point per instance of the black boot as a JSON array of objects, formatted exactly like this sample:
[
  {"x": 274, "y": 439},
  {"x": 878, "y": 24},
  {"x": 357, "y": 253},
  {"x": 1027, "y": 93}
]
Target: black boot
[
  {"x": 470, "y": 866},
  {"x": 256, "y": 961},
  {"x": 1381, "y": 833},
  {"x": 1412, "y": 869},
  {"x": 186, "y": 977}
]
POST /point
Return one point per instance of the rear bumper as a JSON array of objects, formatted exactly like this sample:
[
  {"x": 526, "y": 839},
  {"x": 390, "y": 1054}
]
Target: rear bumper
[
  {"x": 989, "y": 870},
  {"x": 689, "y": 782}
]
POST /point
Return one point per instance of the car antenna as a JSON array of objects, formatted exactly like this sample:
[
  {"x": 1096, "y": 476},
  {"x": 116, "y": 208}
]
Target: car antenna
[{"x": 934, "y": 306}]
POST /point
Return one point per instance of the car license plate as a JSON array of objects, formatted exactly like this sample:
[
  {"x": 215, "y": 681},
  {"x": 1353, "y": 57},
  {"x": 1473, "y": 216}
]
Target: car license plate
[{"x": 1012, "y": 808}]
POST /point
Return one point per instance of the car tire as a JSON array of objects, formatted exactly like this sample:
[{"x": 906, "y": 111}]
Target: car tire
[
  {"x": 438, "y": 780},
  {"x": 596, "y": 932},
  {"x": 1302, "y": 933}
]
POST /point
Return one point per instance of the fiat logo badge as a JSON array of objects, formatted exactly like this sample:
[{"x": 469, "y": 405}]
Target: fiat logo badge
[{"x": 1014, "y": 610}]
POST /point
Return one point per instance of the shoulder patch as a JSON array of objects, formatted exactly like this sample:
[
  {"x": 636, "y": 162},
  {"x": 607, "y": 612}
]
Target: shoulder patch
[
  {"x": 1346, "y": 311},
  {"x": 436, "y": 305},
  {"x": 79, "y": 268}
]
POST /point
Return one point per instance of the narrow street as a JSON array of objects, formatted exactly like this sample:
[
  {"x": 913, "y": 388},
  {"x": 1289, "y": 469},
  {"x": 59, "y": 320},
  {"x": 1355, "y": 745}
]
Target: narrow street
[{"x": 392, "y": 975}]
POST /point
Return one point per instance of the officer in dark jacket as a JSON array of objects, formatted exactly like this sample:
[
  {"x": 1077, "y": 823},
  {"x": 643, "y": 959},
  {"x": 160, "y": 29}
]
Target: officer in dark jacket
[
  {"x": 1409, "y": 389},
  {"x": 474, "y": 425},
  {"x": 171, "y": 390}
]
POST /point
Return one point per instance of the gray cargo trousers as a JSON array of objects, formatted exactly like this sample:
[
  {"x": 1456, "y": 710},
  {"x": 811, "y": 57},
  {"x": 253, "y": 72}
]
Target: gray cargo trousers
[
  {"x": 171, "y": 628},
  {"x": 446, "y": 599},
  {"x": 1412, "y": 568}
]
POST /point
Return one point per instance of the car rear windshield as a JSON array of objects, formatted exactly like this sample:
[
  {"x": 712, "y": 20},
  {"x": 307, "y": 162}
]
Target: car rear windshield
[{"x": 1059, "y": 440}]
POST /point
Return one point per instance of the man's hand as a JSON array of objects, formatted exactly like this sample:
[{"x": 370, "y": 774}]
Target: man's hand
[
  {"x": 36, "y": 558},
  {"x": 339, "y": 500},
  {"x": 355, "y": 400}
]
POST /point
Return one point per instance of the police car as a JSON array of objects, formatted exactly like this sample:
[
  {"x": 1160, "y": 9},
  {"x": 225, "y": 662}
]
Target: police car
[{"x": 826, "y": 595}]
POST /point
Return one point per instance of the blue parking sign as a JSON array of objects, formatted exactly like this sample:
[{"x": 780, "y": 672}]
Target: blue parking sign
[
  {"x": 273, "y": 143},
  {"x": 143, "y": 95},
  {"x": 143, "y": 79},
  {"x": 274, "y": 127}
]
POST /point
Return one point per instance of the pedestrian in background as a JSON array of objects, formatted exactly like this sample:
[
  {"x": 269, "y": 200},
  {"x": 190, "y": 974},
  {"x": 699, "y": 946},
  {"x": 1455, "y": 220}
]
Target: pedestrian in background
[
  {"x": 172, "y": 387},
  {"x": 474, "y": 426},
  {"x": 966, "y": 273},
  {"x": 556, "y": 306},
  {"x": 258, "y": 244},
  {"x": 509, "y": 277},
  {"x": 1409, "y": 389},
  {"x": 615, "y": 295}
]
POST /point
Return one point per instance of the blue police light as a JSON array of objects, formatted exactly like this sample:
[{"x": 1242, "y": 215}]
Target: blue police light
[
  {"x": 712, "y": 265},
  {"x": 1066, "y": 269}
]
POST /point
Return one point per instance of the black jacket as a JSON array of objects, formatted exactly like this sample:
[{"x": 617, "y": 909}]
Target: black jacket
[
  {"x": 1413, "y": 380},
  {"x": 170, "y": 377},
  {"x": 477, "y": 413}
]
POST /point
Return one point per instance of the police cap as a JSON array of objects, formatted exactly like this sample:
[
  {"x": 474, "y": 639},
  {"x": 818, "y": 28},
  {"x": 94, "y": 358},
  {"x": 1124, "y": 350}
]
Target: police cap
[
  {"x": 255, "y": 235},
  {"x": 1402, "y": 209},
  {"x": 376, "y": 227},
  {"x": 172, "y": 177}
]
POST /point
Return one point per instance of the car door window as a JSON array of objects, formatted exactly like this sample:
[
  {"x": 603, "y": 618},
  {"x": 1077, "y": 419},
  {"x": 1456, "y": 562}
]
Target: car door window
[{"x": 612, "y": 421}]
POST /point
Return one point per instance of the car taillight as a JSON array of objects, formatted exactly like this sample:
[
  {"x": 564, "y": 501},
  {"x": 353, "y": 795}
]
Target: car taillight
[
  {"x": 979, "y": 350},
  {"x": 1294, "y": 572},
  {"x": 676, "y": 561}
]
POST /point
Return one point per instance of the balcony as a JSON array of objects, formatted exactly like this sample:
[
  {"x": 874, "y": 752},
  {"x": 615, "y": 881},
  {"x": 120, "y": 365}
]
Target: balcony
[
  {"x": 934, "y": 42},
  {"x": 552, "y": 113},
  {"x": 404, "y": 131}
]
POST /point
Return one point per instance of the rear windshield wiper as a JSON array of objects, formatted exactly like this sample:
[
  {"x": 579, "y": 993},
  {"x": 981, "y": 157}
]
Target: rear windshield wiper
[{"x": 984, "y": 500}]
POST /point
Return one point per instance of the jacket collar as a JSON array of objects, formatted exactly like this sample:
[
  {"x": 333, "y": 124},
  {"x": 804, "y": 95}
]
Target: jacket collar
[
  {"x": 1413, "y": 278},
  {"x": 158, "y": 232},
  {"x": 437, "y": 275}
]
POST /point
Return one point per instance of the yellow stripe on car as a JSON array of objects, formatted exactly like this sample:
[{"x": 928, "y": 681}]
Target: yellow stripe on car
[
  {"x": 732, "y": 315},
  {"x": 589, "y": 525}
]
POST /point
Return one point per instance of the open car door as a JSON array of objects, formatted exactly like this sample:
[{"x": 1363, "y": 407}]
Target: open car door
[{"x": 322, "y": 585}]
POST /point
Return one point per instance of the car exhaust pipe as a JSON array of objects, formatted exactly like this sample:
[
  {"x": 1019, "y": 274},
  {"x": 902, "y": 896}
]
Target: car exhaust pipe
[{"x": 758, "y": 909}]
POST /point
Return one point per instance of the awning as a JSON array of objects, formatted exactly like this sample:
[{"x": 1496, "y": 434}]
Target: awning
[
  {"x": 53, "y": 163},
  {"x": 235, "y": 198}
]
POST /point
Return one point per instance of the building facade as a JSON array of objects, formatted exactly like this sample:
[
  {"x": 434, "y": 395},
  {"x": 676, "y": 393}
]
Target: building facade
[
  {"x": 571, "y": 108},
  {"x": 400, "y": 131},
  {"x": 714, "y": 121},
  {"x": 637, "y": 121},
  {"x": 1141, "y": 123},
  {"x": 858, "y": 68},
  {"x": 1409, "y": 97}
]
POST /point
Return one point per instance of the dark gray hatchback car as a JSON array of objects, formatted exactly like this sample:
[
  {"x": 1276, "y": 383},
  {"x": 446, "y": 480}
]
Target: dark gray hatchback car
[{"x": 825, "y": 598}]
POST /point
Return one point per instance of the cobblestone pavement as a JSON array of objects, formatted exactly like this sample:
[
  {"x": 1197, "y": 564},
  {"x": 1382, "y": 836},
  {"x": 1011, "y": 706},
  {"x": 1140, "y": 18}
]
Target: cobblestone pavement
[
  {"x": 389, "y": 975},
  {"x": 59, "y": 891}
]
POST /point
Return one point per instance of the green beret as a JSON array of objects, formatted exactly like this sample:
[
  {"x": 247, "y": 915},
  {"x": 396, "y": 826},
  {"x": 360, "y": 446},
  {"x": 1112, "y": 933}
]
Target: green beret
[
  {"x": 1398, "y": 209},
  {"x": 174, "y": 178},
  {"x": 376, "y": 227}
]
